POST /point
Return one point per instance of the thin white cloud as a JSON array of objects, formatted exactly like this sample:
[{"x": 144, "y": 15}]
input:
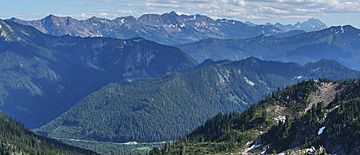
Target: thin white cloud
[
  {"x": 103, "y": 14},
  {"x": 105, "y": 1}
]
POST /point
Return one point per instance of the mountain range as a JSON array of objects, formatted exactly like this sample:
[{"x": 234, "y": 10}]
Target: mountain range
[
  {"x": 167, "y": 108},
  {"x": 41, "y": 76},
  {"x": 312, "y": 117},
  {"x": 307, "y": 26},
  {"x": 340, "y": 43},
  {"x": 215, "y": 85},
  {"x": 168, "y": 28}
]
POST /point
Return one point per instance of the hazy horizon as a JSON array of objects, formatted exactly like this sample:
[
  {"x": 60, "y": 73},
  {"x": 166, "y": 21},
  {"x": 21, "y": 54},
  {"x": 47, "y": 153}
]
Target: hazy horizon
[{"x": 332, "y": 13}]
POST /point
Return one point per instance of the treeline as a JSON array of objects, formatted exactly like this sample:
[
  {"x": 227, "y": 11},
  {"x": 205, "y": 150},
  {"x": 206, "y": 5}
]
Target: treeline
[
  {"x": 280, "y": 123},
  {"x": 227, "y": 132},
  {"x": 340, "y": 122},
  {"x": 15, "y": 139}
]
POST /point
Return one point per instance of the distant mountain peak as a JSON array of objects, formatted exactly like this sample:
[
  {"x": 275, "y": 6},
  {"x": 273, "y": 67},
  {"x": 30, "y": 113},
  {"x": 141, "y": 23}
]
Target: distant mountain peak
[
  {"x": 310, "y": 24},
  {"x": 327, "y": 62},
  {"x": 313, "y": 20},
  {"x": 173, "y": 13},
  {"x": 249, "y": 23},
  {"x": 208, "y": 61},
  {"x": 14, "y": 19},
  {"x": 51, "y": 16},
  {"x": 253, "y": 59},
  {"x": 93, "y": 18},
  {"x": 124, "y": 18},
  {"x": 57, "y": 21},
  {"x": 342, "y": 29},
  {"x": 349, "y": 27}
]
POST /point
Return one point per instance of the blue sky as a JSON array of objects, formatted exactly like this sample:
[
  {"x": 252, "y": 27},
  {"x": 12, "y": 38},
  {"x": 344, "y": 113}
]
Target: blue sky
[{"x": 332, "y": 12}]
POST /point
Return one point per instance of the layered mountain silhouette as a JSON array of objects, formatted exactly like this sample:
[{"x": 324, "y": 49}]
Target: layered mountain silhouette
[
  {"x": 167, "y": 28},
  {"x": 307, "y": 26},
  {"x": 41, "y": 76},
  {"x": 340, "y": 43},
  {"x": 167, "y": 108},
  {"x": 163, "y": 77}
]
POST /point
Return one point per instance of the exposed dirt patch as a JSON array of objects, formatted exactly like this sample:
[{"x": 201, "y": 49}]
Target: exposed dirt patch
[
  {"x": 275, "y": 109},
  {"x": 326, "y": 93}
]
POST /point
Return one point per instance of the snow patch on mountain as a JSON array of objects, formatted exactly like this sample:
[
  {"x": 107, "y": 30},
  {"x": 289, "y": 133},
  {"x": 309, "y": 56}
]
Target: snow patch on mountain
[
  {"x": 172, "y": 26},
  {"x": 223, "y": 77},
  {"x": 194, "y": 17},
  {"x": 131, "y": 143},
  {"x": 298, "y": 77},
  {"x": 321, "y": 130},
  {"x": 249, "y": 81},
  {"x": 254, "y": 146}
]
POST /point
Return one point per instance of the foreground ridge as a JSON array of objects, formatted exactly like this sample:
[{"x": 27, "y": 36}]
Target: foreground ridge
[
  {"x": 15, "y": 139},
  {"x": 313, "y": 116}
]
